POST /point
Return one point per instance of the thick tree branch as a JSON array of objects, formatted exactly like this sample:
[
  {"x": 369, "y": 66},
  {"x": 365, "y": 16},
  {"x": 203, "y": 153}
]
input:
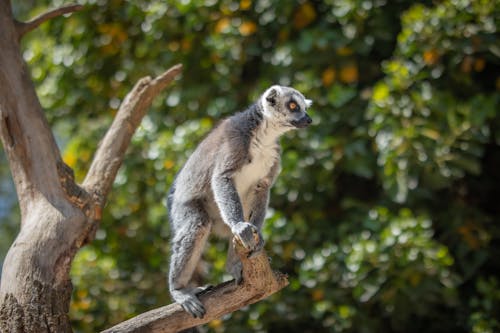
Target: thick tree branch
[
  {"x": 109, "y": 155},
  {"x": 29, "y": 143},
  {"x": 57, "y": 215},
  {"x": 25, "y": 27},
  {"x": 259, "y": 282}
]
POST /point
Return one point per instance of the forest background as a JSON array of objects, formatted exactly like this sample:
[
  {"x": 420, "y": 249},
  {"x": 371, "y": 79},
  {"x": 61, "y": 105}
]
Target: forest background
[{"x": 386, "y": 214}]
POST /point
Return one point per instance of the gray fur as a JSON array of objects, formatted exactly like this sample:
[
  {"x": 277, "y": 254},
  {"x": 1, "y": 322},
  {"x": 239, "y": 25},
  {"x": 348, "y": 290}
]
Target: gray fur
[{"x": 225, "y": 185}]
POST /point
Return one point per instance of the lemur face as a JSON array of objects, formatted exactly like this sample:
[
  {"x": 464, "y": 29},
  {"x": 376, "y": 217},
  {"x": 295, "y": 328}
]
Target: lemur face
[{"x": 286, "y": 107}]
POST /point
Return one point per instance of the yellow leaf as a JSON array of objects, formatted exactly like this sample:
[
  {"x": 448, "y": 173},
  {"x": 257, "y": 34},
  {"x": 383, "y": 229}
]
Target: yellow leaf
[
  {"x": 84, "y": 304},
  {"x": 173, "y": 46},
  {"x": 430, "y": 133},
  {"x": 115, "y": 30},
  {"x": 466, "y": 65},
  {"x": 349, "y": 73},
  {"x": 469, "y": 237},
  {"x": 245, "y": 4},
  {"x": 247, "y": 28},
  {"x": 304, "y": 15},
  {"x": 70, "y": 159},
  {"x": 186, "y": 44},
  {"x": 344, "y": 311},
  {"x": 344, "y": 51},
  {"x": 328, "y": 76},
  {"x": 216, "y": 323},
  {"x": 318, "y": 294},
  {"x": 479, "y": 65},
  {"x": 380, "y": 92},
  {"x": 168, "y": 164},
  {"x": 431, "y": 56},
  {"x": 222, "y": 25}
]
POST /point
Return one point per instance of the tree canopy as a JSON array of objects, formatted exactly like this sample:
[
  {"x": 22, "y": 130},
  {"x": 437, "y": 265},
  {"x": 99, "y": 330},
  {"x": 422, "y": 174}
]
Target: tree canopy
[{"x": 385, "y": 215}]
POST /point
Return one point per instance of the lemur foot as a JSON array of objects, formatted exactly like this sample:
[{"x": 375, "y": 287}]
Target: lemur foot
[{"x": 187, "y": 298}]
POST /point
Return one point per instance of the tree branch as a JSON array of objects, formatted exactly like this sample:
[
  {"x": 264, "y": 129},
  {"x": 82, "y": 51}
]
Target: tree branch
[
  {"x": 259, "y": 282},
  {"x": 109, "y": 155},
  {"x": 25, "y": 27},
  {"x": 29, "y": 144}
]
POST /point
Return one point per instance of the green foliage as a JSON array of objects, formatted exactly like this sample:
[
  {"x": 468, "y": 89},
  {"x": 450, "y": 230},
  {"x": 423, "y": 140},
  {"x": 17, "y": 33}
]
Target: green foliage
[
  {"x": 385, "y": 216},
  {"x": 432, "y": 112}
]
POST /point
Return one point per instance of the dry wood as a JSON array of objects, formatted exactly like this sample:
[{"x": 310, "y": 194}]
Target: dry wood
[
  {"x": 57, "y": 215},
  {"x": 259, "y": 281},
  {"x": 109, "y": 155}
]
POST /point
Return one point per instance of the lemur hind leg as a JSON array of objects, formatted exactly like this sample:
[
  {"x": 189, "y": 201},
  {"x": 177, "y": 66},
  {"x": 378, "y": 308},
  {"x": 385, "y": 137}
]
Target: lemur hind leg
[
  {"x": 233, "y": 264},
  {"x": 192, "y": 227}
]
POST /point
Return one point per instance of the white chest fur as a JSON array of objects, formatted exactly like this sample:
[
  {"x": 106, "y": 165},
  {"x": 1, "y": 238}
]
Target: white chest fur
[
  {"x": 262, "y": 160},
  {"x": 263, "y": 155}
]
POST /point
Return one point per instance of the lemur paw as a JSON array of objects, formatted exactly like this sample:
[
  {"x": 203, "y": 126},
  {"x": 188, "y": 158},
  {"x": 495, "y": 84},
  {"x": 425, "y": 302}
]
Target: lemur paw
[
  {"x": 190, "y": 303},
  {"x": 249, "y": 236}
]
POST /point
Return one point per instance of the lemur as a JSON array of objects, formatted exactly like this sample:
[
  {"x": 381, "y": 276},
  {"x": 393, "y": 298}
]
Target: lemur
[{"x": 225, "y": 185}]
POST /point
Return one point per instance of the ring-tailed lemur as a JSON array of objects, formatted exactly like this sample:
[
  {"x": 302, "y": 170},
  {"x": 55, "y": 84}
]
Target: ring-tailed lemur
[{"x": 226, "y": 182}]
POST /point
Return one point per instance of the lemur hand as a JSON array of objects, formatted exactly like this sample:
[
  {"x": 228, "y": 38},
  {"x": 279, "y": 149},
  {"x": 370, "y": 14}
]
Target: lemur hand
[{"x": 249, "y": 236}]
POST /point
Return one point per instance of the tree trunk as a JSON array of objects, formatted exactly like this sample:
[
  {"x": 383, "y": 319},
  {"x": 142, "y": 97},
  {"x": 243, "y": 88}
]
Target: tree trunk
[
  {"x": 35, "y": 288},
  {"x": 58, "y": 216}
]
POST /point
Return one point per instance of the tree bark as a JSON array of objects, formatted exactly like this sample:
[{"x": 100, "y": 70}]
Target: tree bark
[
  {"x": 35, "y": 287},
  {"x": 259, "y": 281},
  {"x": 57, "y": 215}
]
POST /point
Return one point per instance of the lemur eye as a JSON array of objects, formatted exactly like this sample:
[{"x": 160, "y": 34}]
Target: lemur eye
[{"x": 293, "y": 106}]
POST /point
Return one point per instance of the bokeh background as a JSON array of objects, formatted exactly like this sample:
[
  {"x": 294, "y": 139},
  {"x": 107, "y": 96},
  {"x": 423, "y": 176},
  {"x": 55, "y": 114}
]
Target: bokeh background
[{"x": 386, "y": 214}]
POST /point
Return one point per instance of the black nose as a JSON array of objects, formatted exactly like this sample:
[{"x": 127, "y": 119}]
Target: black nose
[{"x": 304, "y": 121}]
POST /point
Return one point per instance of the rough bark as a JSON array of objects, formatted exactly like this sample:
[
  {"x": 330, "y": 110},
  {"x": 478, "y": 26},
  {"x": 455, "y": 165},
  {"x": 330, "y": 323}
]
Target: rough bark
[
  {"x": 259, "y": 281},
  {"x": 58, "y": 216}
]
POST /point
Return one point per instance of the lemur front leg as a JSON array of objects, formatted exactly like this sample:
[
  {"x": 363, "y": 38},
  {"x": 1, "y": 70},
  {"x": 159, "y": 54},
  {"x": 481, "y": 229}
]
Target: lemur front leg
[
  {"x": 229, "y": 203},
  {"x": 257, "y": 214}
]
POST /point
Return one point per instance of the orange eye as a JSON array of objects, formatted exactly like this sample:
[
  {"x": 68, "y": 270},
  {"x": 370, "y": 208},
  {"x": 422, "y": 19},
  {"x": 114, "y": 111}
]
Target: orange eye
[{"x": 292, "y": 106}]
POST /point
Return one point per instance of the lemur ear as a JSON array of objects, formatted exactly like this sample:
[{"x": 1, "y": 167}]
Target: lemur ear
[
  {"x": 271, "y": 95},
  {"x": 308, "y": 102}
]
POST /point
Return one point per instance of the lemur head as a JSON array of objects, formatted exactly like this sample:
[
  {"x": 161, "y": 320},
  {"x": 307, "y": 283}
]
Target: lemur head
[{"x": 286, "y": 107}]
